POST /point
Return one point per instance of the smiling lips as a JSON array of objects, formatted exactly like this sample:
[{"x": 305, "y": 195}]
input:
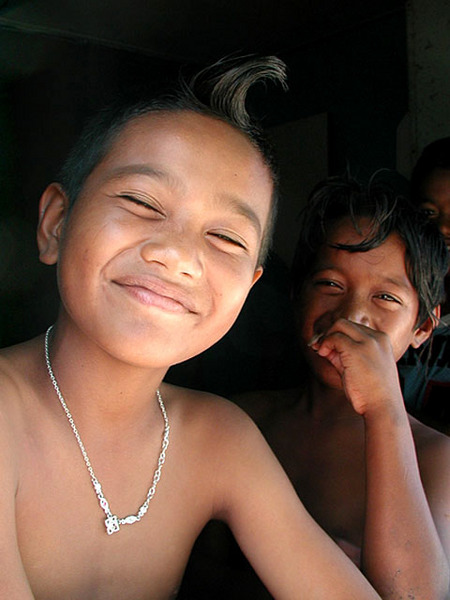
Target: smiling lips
[{"x": 151, "y": 291}]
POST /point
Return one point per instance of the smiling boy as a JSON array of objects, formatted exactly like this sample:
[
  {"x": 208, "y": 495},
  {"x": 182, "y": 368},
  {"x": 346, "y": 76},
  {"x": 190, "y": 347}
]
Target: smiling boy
[
  {"x": 367, "y": 281},
  {"x": 158, "y": 228}
]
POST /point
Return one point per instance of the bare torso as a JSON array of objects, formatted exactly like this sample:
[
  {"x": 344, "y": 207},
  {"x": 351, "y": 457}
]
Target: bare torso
[
  {"x": 54, "y": 544},
  {"x": 325, "y": 459},
  {"x": 62, "y": 539}
]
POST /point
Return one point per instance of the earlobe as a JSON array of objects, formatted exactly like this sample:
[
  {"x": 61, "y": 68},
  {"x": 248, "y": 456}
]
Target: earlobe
[
  {"x": 53, "y": 208},
  {"x": 422, "y": 333}
]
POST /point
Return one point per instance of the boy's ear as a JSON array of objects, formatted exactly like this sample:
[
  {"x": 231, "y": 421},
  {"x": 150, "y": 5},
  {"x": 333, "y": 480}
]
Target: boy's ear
[
  {"x": 53, "y": 209},
  {"x": 257, "y": 274},
  {"x": 424, "y": 331}
]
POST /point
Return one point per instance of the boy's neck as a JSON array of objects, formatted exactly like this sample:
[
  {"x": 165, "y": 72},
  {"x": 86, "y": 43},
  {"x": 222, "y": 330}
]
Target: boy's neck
[{"x": 100, "y": 389}]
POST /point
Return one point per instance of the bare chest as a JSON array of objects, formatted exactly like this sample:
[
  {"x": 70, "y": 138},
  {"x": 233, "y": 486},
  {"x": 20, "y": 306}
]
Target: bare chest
[
  {"x": 63, "y": 541},
  {"x": 327, "y": 469}
]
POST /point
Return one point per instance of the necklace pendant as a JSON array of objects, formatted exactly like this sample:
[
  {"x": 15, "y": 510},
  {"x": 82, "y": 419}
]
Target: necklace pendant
[{"x": 112, "y": 524}]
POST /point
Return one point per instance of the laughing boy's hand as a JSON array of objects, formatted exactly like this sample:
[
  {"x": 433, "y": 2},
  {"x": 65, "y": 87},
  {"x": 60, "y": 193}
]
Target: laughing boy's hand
[{"x": 364, "y": 359}]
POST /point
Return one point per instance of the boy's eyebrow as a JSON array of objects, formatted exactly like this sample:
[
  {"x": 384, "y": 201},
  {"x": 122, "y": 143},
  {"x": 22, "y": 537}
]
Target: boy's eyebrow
[
  {"x": 234, "y": 203},
  {"x": 404, "y": 284},
  {"x": 138, "y": 169}
]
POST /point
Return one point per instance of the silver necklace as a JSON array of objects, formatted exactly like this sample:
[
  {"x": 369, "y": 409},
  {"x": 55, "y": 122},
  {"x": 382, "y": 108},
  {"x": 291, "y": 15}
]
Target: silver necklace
[{"x": 112, "y": 522}]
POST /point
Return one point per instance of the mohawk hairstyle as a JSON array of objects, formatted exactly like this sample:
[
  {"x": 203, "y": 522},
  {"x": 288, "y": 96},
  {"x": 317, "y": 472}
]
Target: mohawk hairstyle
[
  {"x": 224, "y": 86},
  {"x": 219, "y": 91},
  {"x": 340, "y": 198}
]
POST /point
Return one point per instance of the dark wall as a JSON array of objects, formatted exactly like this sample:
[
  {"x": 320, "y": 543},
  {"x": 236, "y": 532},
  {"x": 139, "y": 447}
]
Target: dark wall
[{"x": 359, "y": 78}]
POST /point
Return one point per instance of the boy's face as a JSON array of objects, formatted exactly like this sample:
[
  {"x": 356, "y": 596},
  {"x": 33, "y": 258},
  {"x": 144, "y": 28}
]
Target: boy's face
[
  {"x": 160, "y": 250},
  {"x": 370, "y": 288},
  {"x": 436, "y": 200}
]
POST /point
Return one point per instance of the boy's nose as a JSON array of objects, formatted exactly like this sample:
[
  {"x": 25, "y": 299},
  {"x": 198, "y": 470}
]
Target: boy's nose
[
  {"x": 355, "y": 309},
  {"x": 175, "y": 253}
]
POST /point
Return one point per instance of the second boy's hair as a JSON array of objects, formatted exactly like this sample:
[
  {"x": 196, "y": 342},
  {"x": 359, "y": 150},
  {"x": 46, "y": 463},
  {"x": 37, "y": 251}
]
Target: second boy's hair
[
  {"x": 218, "y": 91},
  {"x": 343, "y": 197}
]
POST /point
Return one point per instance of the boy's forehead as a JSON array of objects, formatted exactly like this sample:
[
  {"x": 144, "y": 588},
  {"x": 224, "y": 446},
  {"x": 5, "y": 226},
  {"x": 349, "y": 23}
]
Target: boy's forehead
[
  {"x": 159, "y": 132},
  {"x": 348, "y": 231},
  {"x": 178, "y": 123}
]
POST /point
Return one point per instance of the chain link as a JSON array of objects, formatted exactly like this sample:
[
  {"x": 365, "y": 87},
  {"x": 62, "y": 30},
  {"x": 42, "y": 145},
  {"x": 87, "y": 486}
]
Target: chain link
[{"x": 112, "y": 522}]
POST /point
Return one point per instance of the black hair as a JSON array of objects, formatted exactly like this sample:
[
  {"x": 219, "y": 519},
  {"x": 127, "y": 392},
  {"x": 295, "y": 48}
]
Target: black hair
[
  {"x": 434, "y": 156},
  {"x": 337, "y": 198},
  {"x": 219, "y": 91}
]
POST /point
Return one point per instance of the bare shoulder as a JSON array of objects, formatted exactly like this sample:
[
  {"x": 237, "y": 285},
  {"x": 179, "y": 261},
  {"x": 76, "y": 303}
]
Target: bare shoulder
[
  {"x": 208, "y": 413},
  {"x": 9, "y": 392},
  {"x": 16, "y": 384},
  {"x": 432, "y": 447},
  {"x": 428, "y": 439},
  {"x": 20, "y": 367},
  {"x": 213, "y": 426},
  {"x": 20, "y": 376},
  {"x": 433, "y": 453},
  {"x": 16, "y": 361}
]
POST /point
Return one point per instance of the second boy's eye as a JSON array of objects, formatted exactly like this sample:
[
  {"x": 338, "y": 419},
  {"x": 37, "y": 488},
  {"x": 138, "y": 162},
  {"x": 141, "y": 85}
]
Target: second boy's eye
[{"x": 388, "y": 298}]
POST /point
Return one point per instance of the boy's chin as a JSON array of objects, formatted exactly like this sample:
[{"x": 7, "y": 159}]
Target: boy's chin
[
  {"x": 328, "y": 376},
  {"x": 322, "y": 370}
]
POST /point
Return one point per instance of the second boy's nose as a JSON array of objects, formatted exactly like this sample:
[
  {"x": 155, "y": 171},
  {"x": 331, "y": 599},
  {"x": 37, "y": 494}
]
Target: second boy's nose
[
  {"x": 354, "y": 308},
  {"x": 175, "y": 253}
]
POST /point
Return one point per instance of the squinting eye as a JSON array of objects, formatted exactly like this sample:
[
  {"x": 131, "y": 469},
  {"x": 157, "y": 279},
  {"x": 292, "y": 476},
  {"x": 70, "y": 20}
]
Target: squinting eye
[
  {"x": 139, "y": 202},
  {"x": 228, "y": 239}
]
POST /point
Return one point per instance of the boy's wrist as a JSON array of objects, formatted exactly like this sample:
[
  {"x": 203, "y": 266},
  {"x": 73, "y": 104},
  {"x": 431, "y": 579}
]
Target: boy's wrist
[{"x": 390, "y": 409}]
